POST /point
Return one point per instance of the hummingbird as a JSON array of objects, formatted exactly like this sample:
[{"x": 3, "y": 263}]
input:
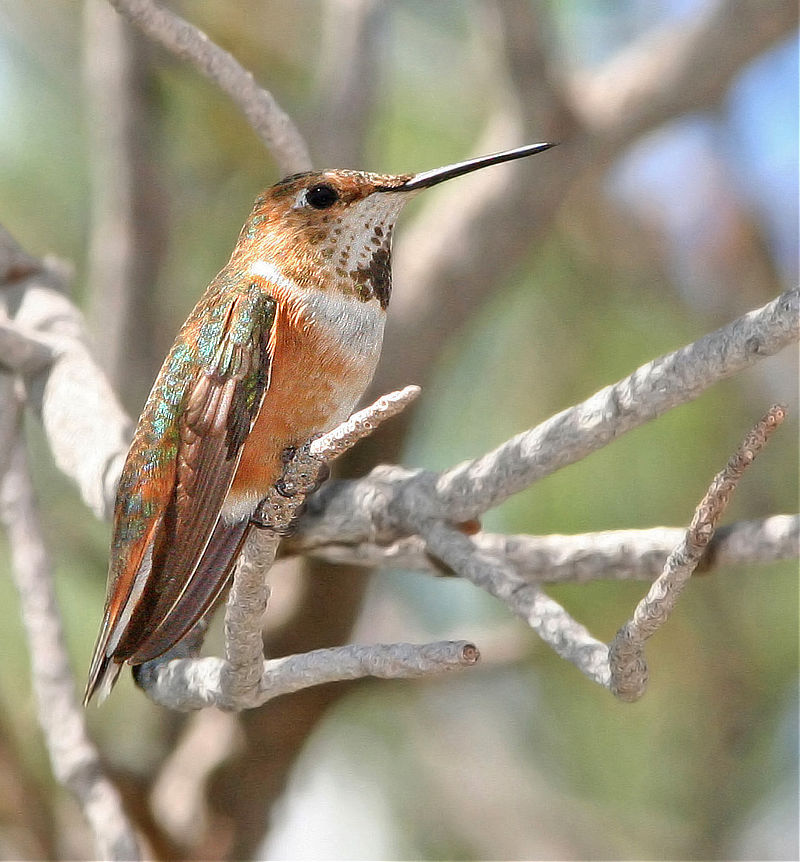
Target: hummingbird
[{"x": 280, "y": 347}]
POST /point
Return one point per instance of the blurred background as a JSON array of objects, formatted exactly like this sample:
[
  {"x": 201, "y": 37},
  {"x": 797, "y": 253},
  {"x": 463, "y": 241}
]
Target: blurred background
[{"x": 670, "y": 208}]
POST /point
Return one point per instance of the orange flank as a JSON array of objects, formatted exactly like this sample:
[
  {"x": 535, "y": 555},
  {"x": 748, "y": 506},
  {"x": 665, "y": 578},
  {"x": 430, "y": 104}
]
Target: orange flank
[{"x": 314, "y": 384}]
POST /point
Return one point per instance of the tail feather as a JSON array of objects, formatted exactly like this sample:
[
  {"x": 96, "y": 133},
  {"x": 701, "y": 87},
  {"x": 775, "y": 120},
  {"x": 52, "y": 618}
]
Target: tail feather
[
  {"x": 102, "y": 676},
  {"x": 149, "y": 631}
]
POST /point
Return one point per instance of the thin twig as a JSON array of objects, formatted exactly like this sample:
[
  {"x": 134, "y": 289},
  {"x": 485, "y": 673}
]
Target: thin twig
[
  {"x": 475, "y": 486},
  {"x": 270, "y": 122},
  {"x": 567, "y": 637},
  {"x": 187, "y": 684},
  {"x": 628, "y": 667}
]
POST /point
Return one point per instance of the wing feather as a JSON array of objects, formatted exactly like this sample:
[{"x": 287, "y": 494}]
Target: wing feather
[{"x": 172, "y": 554}]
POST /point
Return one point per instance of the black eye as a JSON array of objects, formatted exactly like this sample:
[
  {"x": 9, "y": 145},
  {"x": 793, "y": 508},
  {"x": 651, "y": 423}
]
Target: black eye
[{"x": 321, "y": 196}]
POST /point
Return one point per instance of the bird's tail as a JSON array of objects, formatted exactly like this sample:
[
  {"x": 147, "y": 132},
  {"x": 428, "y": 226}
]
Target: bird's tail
[{"x": 102, "y": 676}]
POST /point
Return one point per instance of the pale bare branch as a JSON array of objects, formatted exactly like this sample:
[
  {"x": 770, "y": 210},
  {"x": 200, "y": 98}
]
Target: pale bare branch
[
  {"x": 393, "y": 504},
  {"x": 546, "y": 617},
  {"x": 187, "y": 684},
  {"x": 240, "y": 677},
  {"x": 244, "y": 614}
]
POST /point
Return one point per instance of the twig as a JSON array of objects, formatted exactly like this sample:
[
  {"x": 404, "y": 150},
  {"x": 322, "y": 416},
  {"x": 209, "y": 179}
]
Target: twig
[
  {"x": 270, "y": 122},
  {"x": 244, "y": 612},
  {"x": 75, "y": 761},
  {"x": 186, "y": 684},
  {"x": 361, "y": 424},
  {"x": 628, "y": 668},
  {"x": 567, "y": 637},
  {"x": 654, "y": 388},
  {"x": 391, "y": 503},
  {"x": 620, "y": 666},
  {"x": 247, "y": 602}
]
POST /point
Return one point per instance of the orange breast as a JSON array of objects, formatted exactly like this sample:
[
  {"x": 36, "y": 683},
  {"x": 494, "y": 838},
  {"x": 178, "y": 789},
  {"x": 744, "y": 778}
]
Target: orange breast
[{"x": 313, "y": 386}]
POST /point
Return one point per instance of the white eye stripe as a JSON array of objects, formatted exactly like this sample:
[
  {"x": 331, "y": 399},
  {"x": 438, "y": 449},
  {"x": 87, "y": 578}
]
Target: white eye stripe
[{"x": 301, "y": 201}]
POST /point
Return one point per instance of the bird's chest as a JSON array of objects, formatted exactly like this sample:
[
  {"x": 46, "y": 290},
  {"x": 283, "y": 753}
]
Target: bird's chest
[
  {"x": 323, "y": 356},
  {"x": 320, "y": 368}
]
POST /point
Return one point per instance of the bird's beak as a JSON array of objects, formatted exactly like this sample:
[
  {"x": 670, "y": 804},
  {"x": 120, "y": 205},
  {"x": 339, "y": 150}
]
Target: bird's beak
[{"x": 438, "y": 175}]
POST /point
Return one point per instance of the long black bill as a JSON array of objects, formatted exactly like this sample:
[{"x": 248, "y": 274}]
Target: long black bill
[{"x": 439, "y": 175}]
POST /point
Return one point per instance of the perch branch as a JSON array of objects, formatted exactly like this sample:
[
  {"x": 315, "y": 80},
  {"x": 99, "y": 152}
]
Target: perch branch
[
  {"x": 391, "y": 504},
  {"x": 187, "y": 684},
  {"x": 270, "y": 122},
  {"x": 250, "y": 592}
]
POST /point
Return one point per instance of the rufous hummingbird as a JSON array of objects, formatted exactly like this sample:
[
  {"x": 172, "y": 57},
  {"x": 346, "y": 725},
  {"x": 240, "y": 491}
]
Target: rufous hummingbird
[{"x": 280, "y": 347}]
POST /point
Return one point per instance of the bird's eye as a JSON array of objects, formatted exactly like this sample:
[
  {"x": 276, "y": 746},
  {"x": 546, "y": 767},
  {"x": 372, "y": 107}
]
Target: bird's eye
[{"x": 321, "y": 196}]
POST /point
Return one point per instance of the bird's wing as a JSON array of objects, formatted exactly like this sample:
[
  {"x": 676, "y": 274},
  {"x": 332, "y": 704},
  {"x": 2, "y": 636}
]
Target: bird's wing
[{"x": 172, "y": 552}]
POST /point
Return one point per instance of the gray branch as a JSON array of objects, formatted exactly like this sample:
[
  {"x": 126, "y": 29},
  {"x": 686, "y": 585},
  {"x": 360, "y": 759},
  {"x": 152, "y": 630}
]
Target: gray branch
[
  {"x": 87, "y": 430},
  {"x": 567, "y": 637},
  {"x": 187, "y": 684},
  {"x": 243, "y": 680}
]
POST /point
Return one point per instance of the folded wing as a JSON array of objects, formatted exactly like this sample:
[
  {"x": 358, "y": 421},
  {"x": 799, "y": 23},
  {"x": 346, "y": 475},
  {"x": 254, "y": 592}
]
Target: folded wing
[{"x": 172, "y": 554}]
